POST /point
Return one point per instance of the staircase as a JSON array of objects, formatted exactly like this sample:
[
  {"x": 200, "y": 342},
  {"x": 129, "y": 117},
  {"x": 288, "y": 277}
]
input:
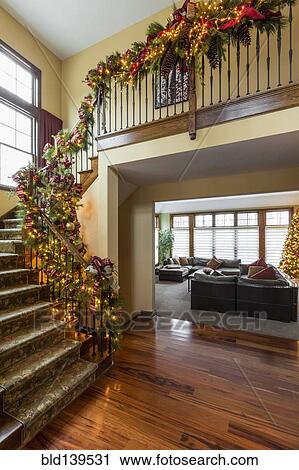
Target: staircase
[{"x": 41, "y": 371}]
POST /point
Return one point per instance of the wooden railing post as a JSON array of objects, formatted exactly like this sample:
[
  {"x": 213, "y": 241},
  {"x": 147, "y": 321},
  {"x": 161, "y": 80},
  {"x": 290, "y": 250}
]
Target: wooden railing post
[{"x": 192, "y": 101}]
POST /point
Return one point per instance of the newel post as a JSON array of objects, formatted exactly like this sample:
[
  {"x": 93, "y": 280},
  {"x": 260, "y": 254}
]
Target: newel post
[{"x": 192, "y": 101}]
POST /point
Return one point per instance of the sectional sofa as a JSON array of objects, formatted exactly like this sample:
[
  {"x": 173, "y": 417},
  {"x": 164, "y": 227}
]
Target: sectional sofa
[
  {"x": 271, "y": 299},
  {"x": 172, "y": 270}
]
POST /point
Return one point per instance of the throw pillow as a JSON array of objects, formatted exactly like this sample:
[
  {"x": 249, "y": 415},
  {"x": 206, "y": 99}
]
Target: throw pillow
[
  {"x": 207, "y": 270},
  {"x": 183, "y": 261},
  {"x": 176, "y": 260},
  {"x": 214, "y": 263},
  {"x": 260, "y": 262},
  {"x": 254, "y": 270},
  {"x": 170, "y": 261},
  {"x": 268, "y": 273}
]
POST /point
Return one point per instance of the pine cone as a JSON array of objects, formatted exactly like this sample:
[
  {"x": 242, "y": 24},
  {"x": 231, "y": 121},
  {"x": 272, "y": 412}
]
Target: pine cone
[
  {"x": 213, "y": 53},
  {"x": 244, "y": 35},
  {"x": 168, "y": 62}
]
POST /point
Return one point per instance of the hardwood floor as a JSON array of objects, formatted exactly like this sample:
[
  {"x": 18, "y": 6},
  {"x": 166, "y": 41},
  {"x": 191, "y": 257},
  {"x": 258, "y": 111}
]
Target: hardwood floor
[{"x": 186, "y": 389}]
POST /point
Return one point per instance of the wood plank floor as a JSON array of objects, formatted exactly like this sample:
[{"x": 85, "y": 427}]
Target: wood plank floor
[{"x": 181, "y": 389}]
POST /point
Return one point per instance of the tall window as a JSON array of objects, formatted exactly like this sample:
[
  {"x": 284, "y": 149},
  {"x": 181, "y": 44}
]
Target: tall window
[
  {"x": 277, "y": 223},
  {"x": 19, "y": 112},
  {"x": 227, "y": 235},
  {"x": 157, "y": 228},
  {"x": 180, "y": 227}
]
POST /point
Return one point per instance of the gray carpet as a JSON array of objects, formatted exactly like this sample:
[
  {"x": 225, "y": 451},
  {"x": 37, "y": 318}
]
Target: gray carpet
[{"x": 173, "y": 300}]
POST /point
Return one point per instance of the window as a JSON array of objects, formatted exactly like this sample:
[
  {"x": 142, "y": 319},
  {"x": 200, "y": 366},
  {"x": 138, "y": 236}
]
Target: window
[
  {"x": 277, "y": 223},
  {"x": 227, "y": 235},
  {"x": 19, "y": 111},
  {"x": 247, "y": 236},
  {"x": 157, "y": 228},
  {"x": 181, "y": 232}
]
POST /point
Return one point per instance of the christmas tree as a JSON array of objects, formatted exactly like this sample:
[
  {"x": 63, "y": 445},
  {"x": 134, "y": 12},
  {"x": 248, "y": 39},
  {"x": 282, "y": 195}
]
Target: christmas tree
[{"x": 290, "y": 259}]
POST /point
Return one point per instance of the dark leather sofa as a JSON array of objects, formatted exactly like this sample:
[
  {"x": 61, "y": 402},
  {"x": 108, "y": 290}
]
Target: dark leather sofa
[
  {"x": 274, "y": 300},
  {"x": 173, "y": 271}
]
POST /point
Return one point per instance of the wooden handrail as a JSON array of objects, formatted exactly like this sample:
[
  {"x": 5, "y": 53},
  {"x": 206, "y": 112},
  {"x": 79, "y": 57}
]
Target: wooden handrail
[{"x": 73, "y": 250}]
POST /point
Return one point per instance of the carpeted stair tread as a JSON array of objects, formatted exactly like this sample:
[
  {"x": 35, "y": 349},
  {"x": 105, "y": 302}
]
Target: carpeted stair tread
[
  {"x": 8, "y": 255},
  {"x": 17, "y": 231},
  {"x": 15, "y": 340},
  {"x": 26, "y": 369},
  {"x": 16, "y": 313},
  {"x": 12, "y": 221},
  {"x": 14, "y": 271},
  {"x": 6, "y": 292},
  {"x": 11, "y": 246},
  {"x": 54, "y": 396}
]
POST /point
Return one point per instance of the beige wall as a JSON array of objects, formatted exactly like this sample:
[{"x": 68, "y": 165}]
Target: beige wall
[
  {"x": 7, "y": 202},
  {"x": 20, "y": 39},
  {"x": 136, "y": 224},
  {"x": 76, "y": 67}
]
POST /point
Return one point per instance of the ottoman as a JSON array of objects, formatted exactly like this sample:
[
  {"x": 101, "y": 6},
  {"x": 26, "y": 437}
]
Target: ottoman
[{"x": 175, "y": 275}]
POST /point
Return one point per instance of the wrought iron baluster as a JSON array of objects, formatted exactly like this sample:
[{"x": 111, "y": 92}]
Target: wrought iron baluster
[
  {"x": 99, "y": 107},
  {"x": 139, "y": 98},
  {"x": 133, "y": 104},
  {"x": 115, "y": 105},
  {"x": 268, "y": 61},
  {"x": 290, "y": 43},
  {"x": 167, "y": 98},
  {"x": 174, "y": 87},
  {"x": 211, "y": 85},
  {"x": 146, "y": 97},
  {"x": 229, "y": 72},
  {"x": 127, "y": 102},
  {"x": 121, "y": 106},
  {"x": 153, "y": 95},
  {"x": 202, "y": 81},
  {"x": 110, "y": 105},
  {"x": 258, "y": 51},
  {"x": 248, "y": 70},
  {"x": 238, "y": 68},
  {"x": 182, "y": 83},
  {"x": 279, "y": 53},
  {"x": 160, "y": 92},
  {"x": 220, "y": 82}
]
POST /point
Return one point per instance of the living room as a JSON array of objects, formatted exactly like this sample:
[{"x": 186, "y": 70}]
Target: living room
[{"x": 217, "y": 262}]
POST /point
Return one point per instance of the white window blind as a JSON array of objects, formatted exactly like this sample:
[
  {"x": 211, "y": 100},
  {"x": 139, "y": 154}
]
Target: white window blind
[
  {"x": 277, "y": 223},
  {"x": 247, "y": 244},
  {"x": 225, "y": 243},
  {"x": 275, "y": 238},
  {"x": 203, "y": 243},
  {"x": 181, "y": 242}
]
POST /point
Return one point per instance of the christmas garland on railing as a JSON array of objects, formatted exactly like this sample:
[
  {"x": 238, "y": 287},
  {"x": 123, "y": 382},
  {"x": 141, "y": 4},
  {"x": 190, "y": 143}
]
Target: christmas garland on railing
[
  {"x": 53, "y": 190},
  {"x": 195, "y": 29}
]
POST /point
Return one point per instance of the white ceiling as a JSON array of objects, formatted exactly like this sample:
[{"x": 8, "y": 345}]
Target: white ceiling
[
  {"x": 69, "y": 26},
  {"x": 268, "y": 153},
  {"x": 285, "y": 199}
]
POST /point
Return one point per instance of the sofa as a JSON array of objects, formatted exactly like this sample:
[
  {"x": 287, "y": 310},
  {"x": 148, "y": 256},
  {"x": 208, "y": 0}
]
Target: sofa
[
  {"x": 174, "y": 271},
  {"x": 271, "y": 299}
]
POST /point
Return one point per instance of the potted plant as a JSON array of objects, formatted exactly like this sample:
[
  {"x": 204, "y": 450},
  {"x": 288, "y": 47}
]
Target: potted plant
[{"x": 166, "y": 240}]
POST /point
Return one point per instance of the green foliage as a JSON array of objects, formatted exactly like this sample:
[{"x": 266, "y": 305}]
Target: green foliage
[{"x": 166, "y": 240}]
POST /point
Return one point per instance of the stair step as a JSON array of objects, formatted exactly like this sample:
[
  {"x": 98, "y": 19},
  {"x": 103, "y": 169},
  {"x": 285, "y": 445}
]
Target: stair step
[
  {"x": 19, "y": 345},
  {"x": 13, "y": 277},
  {"x": 10, "y": 433},
  {"x": 25, "y": 376},
  {"x": 13, "y": 320},
  {"x": 11, "y": 246},
  {"x": 8, "y": 261},
  {"x": 37, "y": 409},
  {"x": 19, "y": 295},
  {"x": 10, "y": 234},
  {"x": 12, "y": 223}
]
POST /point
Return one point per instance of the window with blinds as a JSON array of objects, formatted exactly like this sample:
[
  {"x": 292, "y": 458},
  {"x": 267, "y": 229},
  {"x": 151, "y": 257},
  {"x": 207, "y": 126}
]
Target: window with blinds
[
  {"x": 157, "y": 239},
  {"x": 181, "y": 232},
  {"x": 277, "y": 223},
  {"x": 227, "y": 235}
]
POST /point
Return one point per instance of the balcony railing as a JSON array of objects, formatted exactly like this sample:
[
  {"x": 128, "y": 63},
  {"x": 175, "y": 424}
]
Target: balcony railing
[{"x": 196, "y": 97}]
